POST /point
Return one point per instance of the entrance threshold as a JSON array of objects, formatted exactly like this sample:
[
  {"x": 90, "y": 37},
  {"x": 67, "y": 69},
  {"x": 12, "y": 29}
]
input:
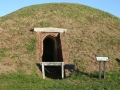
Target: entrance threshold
[{"x": 52, "y": 64}]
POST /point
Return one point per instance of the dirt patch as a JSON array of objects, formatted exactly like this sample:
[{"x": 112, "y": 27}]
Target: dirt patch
[{"x": 7, "y": 69}]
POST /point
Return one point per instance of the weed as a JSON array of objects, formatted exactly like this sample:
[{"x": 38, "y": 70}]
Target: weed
[
  {"x": 15, "y": 55},
  {"x": 31, "y": 46},
  {"x": 45, "y": 24},
  {"x": 3, "y": 52}
]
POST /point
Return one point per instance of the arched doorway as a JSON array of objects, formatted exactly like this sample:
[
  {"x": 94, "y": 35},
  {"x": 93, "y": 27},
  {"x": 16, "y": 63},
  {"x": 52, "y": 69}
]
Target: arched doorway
[
  {"x": 49, "y": 49},
  {"x": 50, "y": 55}
]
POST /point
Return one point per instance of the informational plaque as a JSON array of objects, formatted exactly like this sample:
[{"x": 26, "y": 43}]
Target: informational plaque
[{"x": 100, "y": 58}]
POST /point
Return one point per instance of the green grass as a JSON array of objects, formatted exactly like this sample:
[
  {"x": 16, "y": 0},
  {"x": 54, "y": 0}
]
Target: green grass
[
  {"x": 80, "y": 81},
  {"x": 3, "y": 52}
]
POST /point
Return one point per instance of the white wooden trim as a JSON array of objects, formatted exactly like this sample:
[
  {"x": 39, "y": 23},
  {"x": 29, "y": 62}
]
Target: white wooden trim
[
  {"x": 50, "y": 29},
  {"x": 52, "y": 64}
]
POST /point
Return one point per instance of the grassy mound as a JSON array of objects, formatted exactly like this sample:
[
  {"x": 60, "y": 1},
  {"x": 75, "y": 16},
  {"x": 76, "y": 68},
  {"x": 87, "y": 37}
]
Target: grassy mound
[{"x": 90, "y": 32}]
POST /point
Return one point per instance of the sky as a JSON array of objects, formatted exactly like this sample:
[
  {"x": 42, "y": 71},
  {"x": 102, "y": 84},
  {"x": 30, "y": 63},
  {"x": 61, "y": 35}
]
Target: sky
[{"x": 110, "y": 6}]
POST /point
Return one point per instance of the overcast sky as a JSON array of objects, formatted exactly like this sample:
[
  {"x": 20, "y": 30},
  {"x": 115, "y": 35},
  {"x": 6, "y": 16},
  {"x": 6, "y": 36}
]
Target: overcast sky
[{"x": 111, "y": 6}]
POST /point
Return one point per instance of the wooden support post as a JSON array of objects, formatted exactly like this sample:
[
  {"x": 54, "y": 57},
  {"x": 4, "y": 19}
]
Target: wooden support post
[
  {"x": 62, "y": 66},
  {"x": 43, "y": 71}
]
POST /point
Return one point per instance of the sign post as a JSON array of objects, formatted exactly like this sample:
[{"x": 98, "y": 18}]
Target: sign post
[
  {"x": 99, "y": 69},
  {"x": 104, "y": 69},
  {"x": 102, "y": 59}
]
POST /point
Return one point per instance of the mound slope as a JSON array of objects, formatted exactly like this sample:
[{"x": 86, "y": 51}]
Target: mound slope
[{"x": 90, "y": 32}]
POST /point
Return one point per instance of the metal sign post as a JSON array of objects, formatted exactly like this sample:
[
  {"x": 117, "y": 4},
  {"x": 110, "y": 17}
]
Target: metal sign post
[
  {"x": 99, "y": 69},
  {"x": 102, "y": 59},
  {"x": 104, "y": 69}
]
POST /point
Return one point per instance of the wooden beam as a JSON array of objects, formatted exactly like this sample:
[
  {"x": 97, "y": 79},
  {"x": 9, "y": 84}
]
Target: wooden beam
[{"x": 50, "y": 29}]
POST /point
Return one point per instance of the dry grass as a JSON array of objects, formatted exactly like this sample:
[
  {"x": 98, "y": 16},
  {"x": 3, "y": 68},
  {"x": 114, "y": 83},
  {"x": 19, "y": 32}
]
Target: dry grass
[{"x": 90, "y": 32}]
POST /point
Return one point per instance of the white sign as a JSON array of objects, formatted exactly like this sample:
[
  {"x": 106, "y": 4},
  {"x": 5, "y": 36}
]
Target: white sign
[{"x": 99, "y": 58}]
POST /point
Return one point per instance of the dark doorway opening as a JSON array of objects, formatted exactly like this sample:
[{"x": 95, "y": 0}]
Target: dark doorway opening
[
  {"x": 49, "y": 49},
  {"x": 50, "y": 55}
]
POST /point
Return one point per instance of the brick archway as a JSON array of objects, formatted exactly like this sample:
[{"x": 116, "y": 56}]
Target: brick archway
[{"x": 54, "y": 35}]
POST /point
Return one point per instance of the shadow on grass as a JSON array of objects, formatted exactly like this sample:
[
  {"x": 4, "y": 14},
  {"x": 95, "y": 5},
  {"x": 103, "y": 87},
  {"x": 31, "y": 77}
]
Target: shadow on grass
[
  {"x": 31, "y": 30},
  {"x": 71, "y": 68},
  {"x": 75, "y": 70},
  {"x": 118, "y": 60},
  {"x": 90, "y": 75}
]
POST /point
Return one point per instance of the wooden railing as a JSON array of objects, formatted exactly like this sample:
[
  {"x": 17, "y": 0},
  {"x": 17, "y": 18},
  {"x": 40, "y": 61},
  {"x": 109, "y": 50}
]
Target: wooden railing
[{"x": 43, "y": 64}]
